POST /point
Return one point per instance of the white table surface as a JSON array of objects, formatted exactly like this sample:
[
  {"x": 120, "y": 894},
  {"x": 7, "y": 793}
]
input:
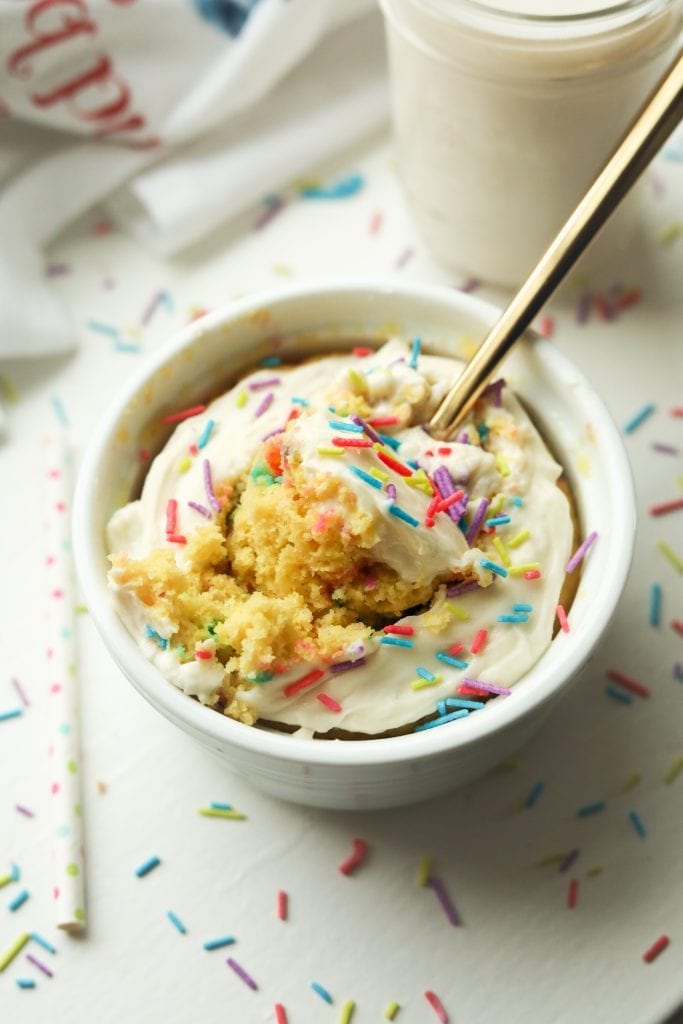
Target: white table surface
[{"x": 521, "y": 955}]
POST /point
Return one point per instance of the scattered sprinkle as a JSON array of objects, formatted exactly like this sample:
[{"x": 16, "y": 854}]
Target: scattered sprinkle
[
  {"x": 479, "y": 684},
  {"x": 13, "y": 713},
  {"x": 225, "y": 940},
  {"x": 424, "y": 870},
  {"x": 655, "y": 604},
  {"x": 666, "y": 449},
  {"x": 637, "y": 823},
  {"x": 322, "y": 992},
  {"x": 18, "y": 900},
  {"x": 516, "y": 617},
  {"x": 444, "y": 899},
  {"x": 280, "y": 1014},
  {"x": 206, "y": 434},
  {"x": 282, "y": 905},
  {"x": 534, "y": 794},
  {"x": 176, "y": 922},
  {"x": 360, "y": 849},
  {"x": 442, "y": 720},
  {"x": 655, "y": 949},
  {"x": 580, "y": 552},
  {"x": 391, "y": 1011},
  {"x": 639, "y": 417},
  {"x": 631, "y": 782},
  {"x": 347, "y": 1011},
  {"x": 498, "y": 570},
  {"x": 479, "y": 641},
  {"x": 342, "y": 189},
  {"x": 184, "y": 414},
  {"x": 14, "y": 950},
  {"x": 300, "y": 684},
  {"x": 43, "y": 942},
  {"x": 628, "y": 683},
  {"x": 415, "y": 353},
  {"x": 615, "y": 694},
  {"x": 562, "y": 618},
  {"x": 572, "y": 893},
  {"x": 328, "y": 701},
  {"x": 26, "y": 982},
  {"x": 400, "y": 513},
  {"x": 241, "y": 973},
  {"x": 449, "y": 659},
  {"x": 670, "y": 555},
  {"x": 666, "y": 506},
  {"x": 594, "y": 808},
  {"x": 396, "y": 641},
  {"x": 218, "y": 812},
  {"x": 404, "y": 257},
  {"x": 371, "y": 480},
  {"x": 674, "y": 770},
  {"x": 594, "y": 870},
  {"x": 60, "y": 411},
  {"x": 147, "y": 866},
  {"x": 265, "y": 404},
  {"x": 25, "y": 811},
  {"x": 437, "y": 1006}
]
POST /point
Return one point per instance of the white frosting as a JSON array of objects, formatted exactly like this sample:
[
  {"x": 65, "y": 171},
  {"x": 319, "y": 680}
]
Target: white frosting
[{"x": 377, "y": 696}]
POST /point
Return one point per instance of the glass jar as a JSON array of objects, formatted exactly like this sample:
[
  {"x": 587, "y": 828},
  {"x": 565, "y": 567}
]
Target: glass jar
[{"x": 504, "y": 111}]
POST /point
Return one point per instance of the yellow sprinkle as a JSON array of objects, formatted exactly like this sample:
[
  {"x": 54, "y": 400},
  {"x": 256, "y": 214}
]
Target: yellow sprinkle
[
  {"x": 501, "y": 462},
  {"x": 379, "y": 473},
  {"x": 282, "y": 269},
  {"x": 14, "y": 949},
  {"x": 424, "y": 870},
  {"x": 242, "y": 399},
  {"x": 507, "y": 766},
  {"x": 679, "y": 481},
  {"x": 457, "y": 611},
  {"x": 81, "y": 609},
  {"x": 184, "y": 464},
  {"x": 631, "y": 782},
  {"x": 5, "y": 880},
  {"x": 215, "y": 812},
  {"x": 422, "y": 684},
  {"x": 674, "y": 769},
  {"x": 583, "y": 464},
  {"x": 552, "y": 858},
  {"x": 391, "y": 1011},
  {"x": 596, "y": 869},
  {"x": 347, "y": 1011},
  {"x": 465, "y": 348},
  {"x": 519, "y": 806},
  {"x": 502, "y": 551},
  {"x": 519, "y": 570},
  {"x": 419, "y": 480},
  {"x": 670, "y": 555},
  {"x": 358, "y": 383},
  {"x": 8, "y": 389},
  {"x": 337, "y": 452},
  {"x": 519, "y": 538},
  {"x": 497, "y": 504},
  {"x": 670, "y": 233}
]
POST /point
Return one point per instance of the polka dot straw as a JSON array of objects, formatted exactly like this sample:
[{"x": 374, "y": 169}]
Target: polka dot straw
[{"x": 62, "y": 691}]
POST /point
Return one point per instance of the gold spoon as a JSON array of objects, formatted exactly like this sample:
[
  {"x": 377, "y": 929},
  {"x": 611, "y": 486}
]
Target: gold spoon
[{"x": 653, "y": 124}]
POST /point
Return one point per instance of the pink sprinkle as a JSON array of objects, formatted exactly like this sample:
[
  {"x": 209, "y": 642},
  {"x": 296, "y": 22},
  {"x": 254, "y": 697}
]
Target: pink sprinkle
[
  {"x": 282, "y": 905},
  {"x": 259, "y": 385},
  {"x": 375, "y": 222},
  {"x": 666, "y": 506},
  {"x": 532, "y": 574},
  {"x": 328, "y": 701},
  {"x": 280, "y": 1014},
  {"x": 171, "y": 515},
  {"x": 470, "y": 285},
  {"x": 265, "y": 405},
  {"x": 437, "y": 1006},
  {"x": 677, "y": 625},
  {"x": 581, "y": 551},
  {"x": 360, "y": 849},
  {"x": 479, "y": 641},
  {"x": 478, "y": 684},
  {"x": 546, "y": 326},
  {"x": 176, "y": 538},
  {"x": 562, "y": 618},
  {"x": 572, "y": 893}
]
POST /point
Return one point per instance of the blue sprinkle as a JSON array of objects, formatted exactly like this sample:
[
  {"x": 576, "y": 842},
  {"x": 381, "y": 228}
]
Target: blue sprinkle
[
  {"x": 396, "y": 641},
  {"x": 513, "y": 618},
  {"x": 517, "y": 501},
  {"x": 391, "y": 442},
  {"x": 637, "y": 823},
  {"x": 587, "y": 809},
  {"x": 492, "y": 567},
  {"x": 483, "y": 431},
  {"x": 167, "y": 300},
  {"x": 522, "y": 607},
  {"x": 18, "y": 900},
  {"x": 60, "y": 411},
  {"x": 301, "y": 401},
  {"x": 15, "y": 872},
  {"x": 417, "y": 345},
  {"x": 405, "y": 516},
  {"x": 221, "y": 807},
  {"x": 452, "y": 717},
  {"x": 126, "y": 346},
  {"x": 471, "y": 705},
  {"x": 6, "y": 715},
  {"x": 271, "y": 361},
  {"x": 153, "y": 635},
  {"x": 226, "y": 940},
  {"x": 641, "y": 415},
  {"x": 26, "y": 983},
  {"x": 448, "y": 659},
  {"x": 412, "y": 463},
  {"x": 206, "y": 433},
  {"x": 655, "y": 604},
  {"x": 101, "y": 328},
  {"x": 498, "y": 521},
  {"x": 149, "y": 865},
  {"x": 534, "y": 794},
  {"x": 372, "y": 480},
  {"x": 424, "y": 673},
  {"x": 176, "y": 922},
  {"x": 342, "y": 189},
  {"x": 43, "y": 942},
  {"x": 617, "y": 694},
  {"x": 322, "y": 992},
  {"x": 352, "y": 428}
]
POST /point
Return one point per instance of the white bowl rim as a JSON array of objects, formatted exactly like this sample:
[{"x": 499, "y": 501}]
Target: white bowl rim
[{"x": 226, "y": 732}]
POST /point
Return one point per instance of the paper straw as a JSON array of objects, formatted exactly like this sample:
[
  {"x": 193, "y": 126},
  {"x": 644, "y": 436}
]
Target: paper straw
[{"x": 64, "y": 747}]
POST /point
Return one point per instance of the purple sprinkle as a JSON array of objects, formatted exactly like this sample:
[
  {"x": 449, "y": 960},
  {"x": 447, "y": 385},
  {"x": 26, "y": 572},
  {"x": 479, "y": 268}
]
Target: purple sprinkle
[
  {"x": 463, "y": 438},
  {"x": 367, "y": 429},
  {"x": 273, "y": 433},
  {"x": 57, "y": 269},
  {"x": 391, "y": 492},
  {"x": 22, "y": 696},
  {"x": 494, "y": 390},
  {"x": 569, "y": 860},
  {"x": 678, "y": 672},
  {"x": 668, "y": 449},
  {"x": 446, "y": 487},
  {"x": 208, "y": 487},
  {"x": 583, "y": 307},
  {"x": 202, "y": 509},
  {"x": 241, "y": 973},
  {"x": 274, "y": 204},
  {"x": 39, "y": 964},
  {"x": 478, "y": 684},
  {"x": 448, "y": 908},
  {"x": 581, "y": 551},
  {"x": 259, "y": 385},
  {"x": 345, "y": 666},
  {"x": 395, "y": 362},
  {"x": 24, "y": 810},
  {"x": 406, "y": 255},
  {"x": 461, "y": 588},
  {"x": 470, "y": 285},
  {"x": 265, "y": 405},
  {"x": 471, "y": 534},
  {"x": 150, "y": 308}
]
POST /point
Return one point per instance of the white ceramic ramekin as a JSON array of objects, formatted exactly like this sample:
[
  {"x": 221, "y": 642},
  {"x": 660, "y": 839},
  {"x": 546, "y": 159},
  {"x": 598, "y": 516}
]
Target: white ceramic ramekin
[{"x": 198, "y": 363}]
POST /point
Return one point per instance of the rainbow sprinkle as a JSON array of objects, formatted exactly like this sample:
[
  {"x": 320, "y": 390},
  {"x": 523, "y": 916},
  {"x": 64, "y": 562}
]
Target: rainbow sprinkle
[
  {"x": 14, "y": 950},
  {"x": 594, "y": 808},
  {"x": 580, "y": 552},
  {"x": 637, "y": 823},
  {"x": 639, "y": 418},
  {"x": 176, "y": 922},
  {"x": 437, "y": 1006},
  {"x": 322, "y": 992},
  {"x": 225, "y": 940},
  {"x": 534, "y": 793},
  {"x": 498, "y": 570},
  {"x": 371, "y": 480},
  {"x": 655, "y": 949},
  {"x": 415, "y": 353},
  {"x": 444, "y": 899},
  {"x": 670, "y": 555},
  {"x": 241, "y": 973},
  {"x": 396, "y": 641},
  {"x": 147, "y": 866},
  {"x": 400, "y": 513},
  {"x": 347, "y": 1011}
]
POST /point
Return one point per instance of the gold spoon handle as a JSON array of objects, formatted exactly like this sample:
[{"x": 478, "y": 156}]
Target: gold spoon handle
[{"x": 648, "y": 132}]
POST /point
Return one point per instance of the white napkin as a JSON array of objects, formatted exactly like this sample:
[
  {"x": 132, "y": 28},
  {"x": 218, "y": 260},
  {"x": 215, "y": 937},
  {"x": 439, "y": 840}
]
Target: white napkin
[{"x": 188, "y": 111}]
